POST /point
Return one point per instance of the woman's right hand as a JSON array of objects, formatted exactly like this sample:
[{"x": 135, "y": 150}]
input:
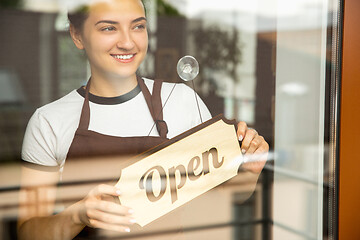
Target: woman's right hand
[{"x": 99, "y": 210}]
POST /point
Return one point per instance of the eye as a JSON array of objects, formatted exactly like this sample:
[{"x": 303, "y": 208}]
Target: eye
[
  {"x": 140, "y": 27},
  {"x": 108, "y": 29}
]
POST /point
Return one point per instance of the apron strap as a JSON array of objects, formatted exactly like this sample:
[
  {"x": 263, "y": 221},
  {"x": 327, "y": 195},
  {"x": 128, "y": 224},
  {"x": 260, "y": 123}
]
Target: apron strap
[
  {"x": 153, "y": 101},
  {"x": 155, "y": 105},
  {"x": 158, "y": 109},
  {"x": 85, "y": 112}
]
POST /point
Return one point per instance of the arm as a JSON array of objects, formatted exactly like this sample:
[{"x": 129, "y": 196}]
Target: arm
[
  {"x": 38, "y": 191},
  {"x": 37, "y": 201}
]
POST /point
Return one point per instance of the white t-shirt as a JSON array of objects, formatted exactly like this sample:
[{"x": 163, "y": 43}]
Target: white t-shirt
[{"x": 52, "y": 127}]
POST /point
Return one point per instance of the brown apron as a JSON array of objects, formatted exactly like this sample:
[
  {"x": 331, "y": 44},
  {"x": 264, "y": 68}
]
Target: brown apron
[{"x": 87, "y": 143}]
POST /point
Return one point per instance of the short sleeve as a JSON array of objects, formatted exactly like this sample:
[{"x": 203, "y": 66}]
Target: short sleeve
[{"x": 39, "y": 142}]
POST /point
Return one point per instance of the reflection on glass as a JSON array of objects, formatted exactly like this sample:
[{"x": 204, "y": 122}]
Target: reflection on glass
[{"x": 248, "y": 51}]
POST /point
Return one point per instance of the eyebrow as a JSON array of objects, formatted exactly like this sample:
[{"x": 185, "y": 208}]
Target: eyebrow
[{"x": 114, "y": 22}]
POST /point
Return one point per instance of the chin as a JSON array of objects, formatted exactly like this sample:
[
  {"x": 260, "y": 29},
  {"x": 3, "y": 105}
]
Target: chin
[{"x": 124, "y": 75}]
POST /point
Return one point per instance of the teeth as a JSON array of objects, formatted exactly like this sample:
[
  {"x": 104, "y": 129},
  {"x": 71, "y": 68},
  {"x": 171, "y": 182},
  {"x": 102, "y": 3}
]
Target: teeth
[{"x": 123, "y": 57}]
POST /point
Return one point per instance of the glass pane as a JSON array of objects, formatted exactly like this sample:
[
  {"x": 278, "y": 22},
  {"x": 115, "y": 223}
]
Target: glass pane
[
  {"x": 303, "y": 79},
  {"x": 273, "y": 64}
]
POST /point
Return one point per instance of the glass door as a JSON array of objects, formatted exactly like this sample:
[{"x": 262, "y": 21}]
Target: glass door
[{"x": 273, "y": 64}]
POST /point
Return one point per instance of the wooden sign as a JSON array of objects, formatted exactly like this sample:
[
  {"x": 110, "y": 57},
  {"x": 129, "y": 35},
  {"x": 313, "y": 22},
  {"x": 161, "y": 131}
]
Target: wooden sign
[{"x": 178, "y": 171}]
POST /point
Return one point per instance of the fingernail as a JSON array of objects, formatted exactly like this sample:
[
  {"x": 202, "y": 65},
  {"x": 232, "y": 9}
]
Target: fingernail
[
  {"x": 127, "y": 229},
  {"x": 132, "y": 220},
  {"x": 131, "y": 211},
  {"x": 241, "y": 138},
  {"x": 243, "y": 151},
  {"x": 118, "y": 192}
]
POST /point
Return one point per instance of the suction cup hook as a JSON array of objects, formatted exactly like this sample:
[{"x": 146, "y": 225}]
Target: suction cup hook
[{"x": 188, "y": 68}]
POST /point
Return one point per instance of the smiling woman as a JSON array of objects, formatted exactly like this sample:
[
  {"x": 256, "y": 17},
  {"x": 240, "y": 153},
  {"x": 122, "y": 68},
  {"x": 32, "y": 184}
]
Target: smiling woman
[
  {"x": 114, "y": 114},
  {"x": 114, "y": 36},
  {"x": 115, "y": 40}
]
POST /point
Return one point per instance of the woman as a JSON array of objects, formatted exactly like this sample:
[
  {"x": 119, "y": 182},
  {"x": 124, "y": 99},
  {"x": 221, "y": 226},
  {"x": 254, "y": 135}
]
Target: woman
[{"x": 111, "y": 115}]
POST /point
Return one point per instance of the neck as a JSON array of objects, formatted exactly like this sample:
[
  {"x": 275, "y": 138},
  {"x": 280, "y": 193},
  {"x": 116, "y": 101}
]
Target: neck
[{"x": 112, "y": 87}]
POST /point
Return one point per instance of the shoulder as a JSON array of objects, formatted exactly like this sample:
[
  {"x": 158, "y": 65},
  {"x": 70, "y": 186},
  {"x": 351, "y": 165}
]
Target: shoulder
[
  {"x": 50, "y": 129},
  {"x": 62, "y": 107},
  {"x": 182, "y": 107},
  {"x": 168, "y": 88},
  {"x": 61, "y": 116},
  {"x": 180, "y": 94}
]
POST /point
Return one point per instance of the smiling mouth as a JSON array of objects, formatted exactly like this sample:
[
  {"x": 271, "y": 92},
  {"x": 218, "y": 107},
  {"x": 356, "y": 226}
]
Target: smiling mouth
[{"x": 123, "y": 56}]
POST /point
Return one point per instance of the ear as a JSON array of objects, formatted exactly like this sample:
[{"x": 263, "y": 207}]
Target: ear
[{"x": 76, "y": 37}]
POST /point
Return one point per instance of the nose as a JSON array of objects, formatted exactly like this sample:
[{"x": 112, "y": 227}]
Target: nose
[{"x": 125, "y": 40}]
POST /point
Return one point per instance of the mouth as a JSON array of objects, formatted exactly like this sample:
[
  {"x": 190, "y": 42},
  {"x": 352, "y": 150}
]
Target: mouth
[{"x": 124, "y": 58}]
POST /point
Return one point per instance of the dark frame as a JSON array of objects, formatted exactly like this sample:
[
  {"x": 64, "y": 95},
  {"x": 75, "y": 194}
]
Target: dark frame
[{"x": 332, "y": 123}]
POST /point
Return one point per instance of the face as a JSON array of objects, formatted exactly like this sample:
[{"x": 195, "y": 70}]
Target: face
[{"x": 114, "y": 38}]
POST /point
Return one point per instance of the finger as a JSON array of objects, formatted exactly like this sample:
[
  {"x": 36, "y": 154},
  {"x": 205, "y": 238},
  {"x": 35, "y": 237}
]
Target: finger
[
  {"x": 104, "y": 189},
  {"x": 249, "y": 136},
  {"x": 241, "y": 130},
  {"x": 255, "y": 162},
  {"x": 255, "y": 144},
  {"x": 261, "y": 154},
  {"x": 109, "y": 218},
  {"x": 113, "y": 227}
]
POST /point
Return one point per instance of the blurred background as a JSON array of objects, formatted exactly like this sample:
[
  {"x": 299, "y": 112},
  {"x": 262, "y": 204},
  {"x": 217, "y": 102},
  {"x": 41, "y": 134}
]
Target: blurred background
[{"x": 269, "y": 63}]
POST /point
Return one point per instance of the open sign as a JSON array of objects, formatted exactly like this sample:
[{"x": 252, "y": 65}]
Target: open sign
[
  {"x": 177, "y": 181},
  {"x": 181, "y": 169}
]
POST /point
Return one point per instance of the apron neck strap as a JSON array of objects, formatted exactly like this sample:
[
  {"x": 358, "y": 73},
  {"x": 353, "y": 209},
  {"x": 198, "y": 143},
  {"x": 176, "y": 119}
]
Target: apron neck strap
[
  {"x": 155, "y": 105},
  {"x": 85, "y": 112},
  {"x": 153, "y": 102}
]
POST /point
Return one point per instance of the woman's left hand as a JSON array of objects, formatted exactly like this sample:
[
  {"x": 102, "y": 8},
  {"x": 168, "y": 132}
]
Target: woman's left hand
[{"x": 254, "y": 147}]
